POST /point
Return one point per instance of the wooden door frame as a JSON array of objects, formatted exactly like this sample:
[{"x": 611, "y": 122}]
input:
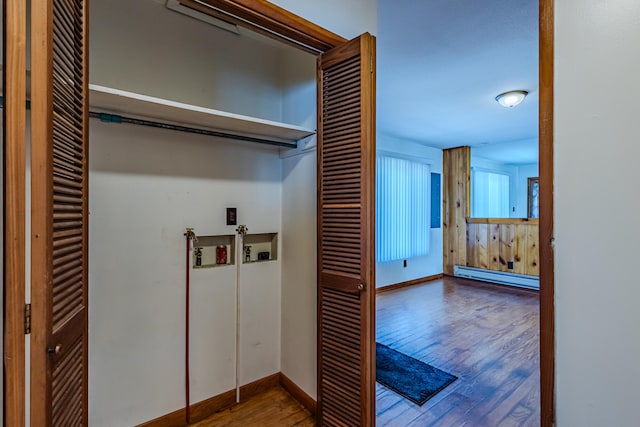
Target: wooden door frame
[
  {"x": 272, "y": 21},
  {"x": 14, "y": 159},
  {"x": 545, "y": 162},
  {"x": 283, "y": 25}
]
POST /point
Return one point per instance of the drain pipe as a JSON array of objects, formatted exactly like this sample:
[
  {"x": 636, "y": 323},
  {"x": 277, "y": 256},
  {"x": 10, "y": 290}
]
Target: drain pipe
[
  {"x": 242, "y": 231},
  {"x": 190, "y": 236}
]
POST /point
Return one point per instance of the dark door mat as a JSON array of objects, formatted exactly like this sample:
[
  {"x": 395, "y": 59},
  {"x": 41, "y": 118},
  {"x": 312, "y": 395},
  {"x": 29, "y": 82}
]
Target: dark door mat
[{"x": 409, "y": 377}]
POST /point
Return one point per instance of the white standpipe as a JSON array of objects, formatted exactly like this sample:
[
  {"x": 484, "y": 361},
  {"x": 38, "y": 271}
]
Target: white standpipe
[{"x": 242, "y": 231}]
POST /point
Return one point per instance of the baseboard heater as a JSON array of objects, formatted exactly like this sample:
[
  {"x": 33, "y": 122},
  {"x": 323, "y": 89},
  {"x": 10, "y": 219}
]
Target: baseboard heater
[{"x": 512, "y": 279}]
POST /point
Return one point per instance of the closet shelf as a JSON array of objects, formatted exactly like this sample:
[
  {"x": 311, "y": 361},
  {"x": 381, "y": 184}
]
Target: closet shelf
[{"x": 116, "y": 101}]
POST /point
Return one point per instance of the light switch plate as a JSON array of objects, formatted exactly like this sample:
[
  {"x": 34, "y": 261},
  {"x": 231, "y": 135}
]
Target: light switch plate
[{"x": 232, "y": 218}]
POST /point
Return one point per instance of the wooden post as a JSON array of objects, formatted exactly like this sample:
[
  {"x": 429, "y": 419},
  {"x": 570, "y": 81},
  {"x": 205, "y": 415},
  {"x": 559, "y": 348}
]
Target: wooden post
[{"x": 456, "y": 201}]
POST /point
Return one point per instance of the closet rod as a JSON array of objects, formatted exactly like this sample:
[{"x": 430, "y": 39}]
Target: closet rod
[{"x": 114, "y": 118}]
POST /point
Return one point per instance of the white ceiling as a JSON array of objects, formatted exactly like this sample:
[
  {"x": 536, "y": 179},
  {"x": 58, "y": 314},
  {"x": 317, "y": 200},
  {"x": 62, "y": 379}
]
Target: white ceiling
[{"x": 440, "y": 65}]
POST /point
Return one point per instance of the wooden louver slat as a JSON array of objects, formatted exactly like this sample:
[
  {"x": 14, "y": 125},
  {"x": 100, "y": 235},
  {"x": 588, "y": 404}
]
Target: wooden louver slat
[
  {"x": 341, "y": 385},
  {"x": 346, "y": 168},
  {"x": 67, "y": 378},
  {"x": 60, "y": 115},
  {"x": 69, "y": 270}
]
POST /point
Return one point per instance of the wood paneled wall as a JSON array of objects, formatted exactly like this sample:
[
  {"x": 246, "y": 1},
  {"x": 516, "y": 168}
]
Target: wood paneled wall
[
  {"x": 493, "y": 242},
  {"x": 456, "y": 202}
]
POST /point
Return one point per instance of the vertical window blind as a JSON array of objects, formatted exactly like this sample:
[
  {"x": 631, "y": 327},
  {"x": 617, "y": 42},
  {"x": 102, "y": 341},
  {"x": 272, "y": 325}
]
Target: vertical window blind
[
  {"x": 490, "y": 195},
  {"x": 403, "y": 208}
]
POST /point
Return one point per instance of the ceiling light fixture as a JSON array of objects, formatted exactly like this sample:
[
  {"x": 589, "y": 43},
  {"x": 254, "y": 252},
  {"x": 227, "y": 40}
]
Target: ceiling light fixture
[{"x": 512, "y": 98}]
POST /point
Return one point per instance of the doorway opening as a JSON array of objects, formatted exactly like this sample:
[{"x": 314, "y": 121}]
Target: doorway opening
[{"x": 420, "y": 114}]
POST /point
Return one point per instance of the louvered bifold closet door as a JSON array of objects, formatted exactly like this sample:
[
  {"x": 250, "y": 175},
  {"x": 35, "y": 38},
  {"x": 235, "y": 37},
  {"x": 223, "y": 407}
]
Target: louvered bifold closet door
[
  {"x": 59, "y": 213},
  {"x": 346, "y": 232}
]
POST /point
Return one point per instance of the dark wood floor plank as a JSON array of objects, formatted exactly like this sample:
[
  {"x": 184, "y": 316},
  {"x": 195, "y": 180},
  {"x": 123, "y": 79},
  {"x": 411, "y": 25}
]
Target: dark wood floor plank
[
  {"x": 274, "y": 407},
  {"x": 487, "y": 335}
]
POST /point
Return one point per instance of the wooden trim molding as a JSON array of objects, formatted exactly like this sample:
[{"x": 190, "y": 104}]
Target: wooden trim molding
[
  {"x": 270, "y": 20},
  {"x": 545, "y": 158},
  {"x": 298, "y": 394},
  {"x": 400, "y": 285},
  {"x": 206, "y": 408},
  {"x": 14, "y": 159},
  {"x": 502, "y": 220}
]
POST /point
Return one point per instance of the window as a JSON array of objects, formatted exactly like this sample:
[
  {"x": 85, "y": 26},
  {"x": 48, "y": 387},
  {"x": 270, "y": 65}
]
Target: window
[
  {"x": 403, "y": 207},
  {"x": 533, "y": 185},
  {"x": 490, "y": 194}
]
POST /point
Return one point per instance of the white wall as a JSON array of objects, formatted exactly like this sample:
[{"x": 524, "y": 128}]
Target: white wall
[
  {"x": 389, "y": 273},
  {"x": 147, "y": 186},
  {"x": 298, "y": 360},
  {"x": 491, "y": 165},
  {"x": 524, "y": 172},
  {"x": 299, "y": 270},
  {"x": 520, "y": 152},
  {"x": 518, "y": 186},
  {"x": 597, "y": 64},
  {"x": 142, "y": 47}
]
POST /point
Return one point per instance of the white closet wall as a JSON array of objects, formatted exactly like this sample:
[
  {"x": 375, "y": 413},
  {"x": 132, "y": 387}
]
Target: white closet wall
[
  {"x": 299, "y": 227},
  {"x": 141, "y": 47},
  {"x": 147, "y": 185}
]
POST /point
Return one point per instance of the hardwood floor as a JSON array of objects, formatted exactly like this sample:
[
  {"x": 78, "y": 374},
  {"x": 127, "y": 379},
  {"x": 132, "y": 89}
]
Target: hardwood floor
[
  {"x": 487, "y": 335},
  {"x": 274, "y": 407}
]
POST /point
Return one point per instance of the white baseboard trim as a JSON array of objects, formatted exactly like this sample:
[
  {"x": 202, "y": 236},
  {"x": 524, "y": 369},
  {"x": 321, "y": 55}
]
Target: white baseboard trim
[{"x": 503, "y": 278}]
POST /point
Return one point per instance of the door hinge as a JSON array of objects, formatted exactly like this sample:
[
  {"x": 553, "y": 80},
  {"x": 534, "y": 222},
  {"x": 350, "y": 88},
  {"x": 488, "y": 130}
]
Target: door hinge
[
  {"x": 27, "y": 319},
  {"x": 371, "y": 63}
]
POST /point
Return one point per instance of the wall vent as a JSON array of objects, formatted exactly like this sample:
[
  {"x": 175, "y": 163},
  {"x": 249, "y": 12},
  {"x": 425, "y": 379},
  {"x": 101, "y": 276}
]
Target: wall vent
[
  {"x": 176, "y": 6},
  {"x": 512, "y": 279}
]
